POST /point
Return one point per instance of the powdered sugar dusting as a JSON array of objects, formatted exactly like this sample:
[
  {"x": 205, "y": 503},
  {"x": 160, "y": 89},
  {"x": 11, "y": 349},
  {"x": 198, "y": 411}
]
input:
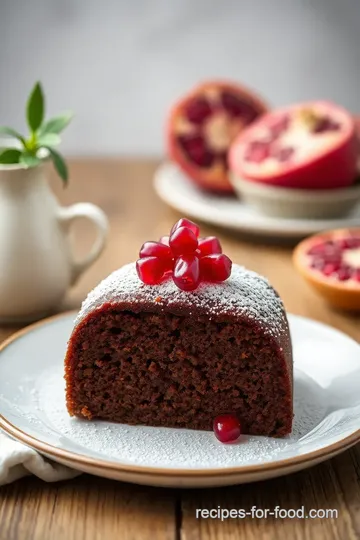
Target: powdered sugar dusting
[
  {"x": 245, "y": 294},
  {"x": 166, "y": 447}
]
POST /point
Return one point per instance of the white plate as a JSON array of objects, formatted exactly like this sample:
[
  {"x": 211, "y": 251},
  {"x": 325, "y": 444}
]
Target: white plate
[
  {"x": 172, "y": 185},
  {"x": 327, "y": 416}
]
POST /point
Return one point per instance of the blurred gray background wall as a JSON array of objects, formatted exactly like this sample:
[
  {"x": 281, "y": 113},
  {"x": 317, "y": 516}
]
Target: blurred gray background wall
[{"x": 120, "y": 63}]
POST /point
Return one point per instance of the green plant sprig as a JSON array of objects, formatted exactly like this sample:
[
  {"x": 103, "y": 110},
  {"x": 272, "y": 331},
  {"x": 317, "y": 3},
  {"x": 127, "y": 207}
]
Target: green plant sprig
[{"x": 44, "y": 135}]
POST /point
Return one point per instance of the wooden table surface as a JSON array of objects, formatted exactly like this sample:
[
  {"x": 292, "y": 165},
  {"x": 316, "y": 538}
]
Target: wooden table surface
[{"x": 91, "y": 508}]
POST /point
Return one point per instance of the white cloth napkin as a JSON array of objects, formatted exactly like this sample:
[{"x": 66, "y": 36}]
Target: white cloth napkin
[{"x": 18, "y": 460}]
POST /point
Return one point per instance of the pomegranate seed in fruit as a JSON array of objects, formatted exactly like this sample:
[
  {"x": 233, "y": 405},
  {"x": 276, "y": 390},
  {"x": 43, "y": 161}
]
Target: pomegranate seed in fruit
[
  {"x": 195, "y": 148},
  {"x": 164, "y": 240},
  {"x": 150, "y": 270},
  {"x": 324, "y": 247},
  {"x": 330, "y": 268},
  {"x": 278, "y": 127},
  {"x": 236, "y": 107},
  {"x": 197, "y": 110},
  {"x": 349, "y": 243},
  {"x": 328, "y": 258},
  {"x": 316, "y": 250},
  {"x": 227, "y": 428},
  {"x": 318, "y": 264},
  {"x": 257, "y": 151},
  {"x": 186, "y": 272},
  {"x": 215, "y": 267},
  {"x": 183, "y": 222},
  {"x": 209, "y": 245},
  {"x": 283, "y": 154},
  {"x": 344, "y": 273},
  {"x": 325, "y": 124},
  {"x": 354, "y": 242}
]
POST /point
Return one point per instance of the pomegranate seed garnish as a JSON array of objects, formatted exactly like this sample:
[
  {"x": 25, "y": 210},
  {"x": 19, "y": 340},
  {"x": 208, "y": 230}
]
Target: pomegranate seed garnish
[
  {"x": 215, "y": 267},
  {"x": 150, "y": 270},
  {"x": 183, "y": 257},
  {"x": 183, "y": 241},
  {"x": 227, "y": 428},
  {"x": 155, "y": 249},
  {"x": 186, "y": 272},
  {"x": 356, "y": 275},
  {"x": 164, "y": 240},
  {"x": 183, "y": 222},
  {"x": 209, "y": 245}
]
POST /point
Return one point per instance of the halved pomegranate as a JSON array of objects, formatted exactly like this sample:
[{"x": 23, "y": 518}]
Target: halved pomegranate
[
  {"x": 330, "y": 262},
  {"x": 202, "y": 125},
  {"x": 305, "y": 146}
]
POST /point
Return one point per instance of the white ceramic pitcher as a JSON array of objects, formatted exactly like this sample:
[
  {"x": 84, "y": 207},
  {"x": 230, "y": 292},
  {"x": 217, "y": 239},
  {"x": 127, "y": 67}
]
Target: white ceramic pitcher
[{"x": 36, "y": 263}]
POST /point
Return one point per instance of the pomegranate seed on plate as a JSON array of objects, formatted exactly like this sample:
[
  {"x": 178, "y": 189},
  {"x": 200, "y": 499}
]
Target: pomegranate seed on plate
[
  {"x": 186, "y": 272},
  {"x": 183, "y": 241},
  {"x": 150, "y": 270},
  {"x": 209, "y": 245},
  {"x": 215, "y": 267},
  {"x": 183, "y": 222},
  {"x": 227, "y": 428}
]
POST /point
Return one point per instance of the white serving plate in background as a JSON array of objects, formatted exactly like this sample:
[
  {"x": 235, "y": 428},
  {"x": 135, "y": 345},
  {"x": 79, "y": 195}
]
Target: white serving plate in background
[{"x": 173, "y": 187}]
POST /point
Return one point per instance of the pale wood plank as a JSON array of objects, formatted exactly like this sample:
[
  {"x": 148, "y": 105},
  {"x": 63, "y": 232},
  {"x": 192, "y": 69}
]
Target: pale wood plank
[
  {"x": 332, "y": 485},
  {"x": 86, "y": 508}
]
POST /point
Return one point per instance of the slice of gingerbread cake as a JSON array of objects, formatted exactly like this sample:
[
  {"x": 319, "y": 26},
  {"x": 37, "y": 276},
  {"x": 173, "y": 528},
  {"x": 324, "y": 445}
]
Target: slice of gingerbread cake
[{"x": 181, "y": 337}]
